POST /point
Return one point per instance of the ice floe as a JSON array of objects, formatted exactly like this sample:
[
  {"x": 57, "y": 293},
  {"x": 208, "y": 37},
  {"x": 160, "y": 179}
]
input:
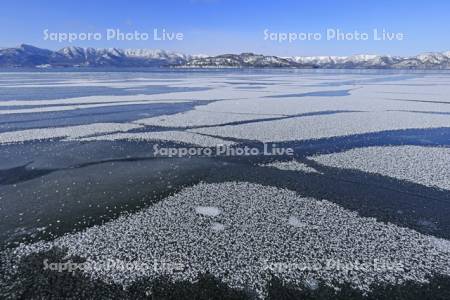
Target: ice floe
[
  {"x": 266, "y": 230},
  {"x": 111, "y": 99},
  {"x": 326, "y": 126},
  {"x": 75, "y": 107},
  {"x": 200, "y": 117},
  {"x": 185, "y": 137},
  {"x": 424, "y": 165},
  {"x": 68, "y": 132},
  {"x": 291, "y": 165}
]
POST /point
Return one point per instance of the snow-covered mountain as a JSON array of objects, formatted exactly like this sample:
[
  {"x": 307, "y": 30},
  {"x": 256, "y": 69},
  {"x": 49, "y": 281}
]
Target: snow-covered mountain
[
  {"x": 341, "y": 62},
  {"x": 431, "y": 60},
  {"x": 118, "y": 57},
  {"x": 422, "y": 61},
  {"x": 241, "y": 60},
  {"x": 30, "y": 56},
  {"x": 24, "y": 55}
]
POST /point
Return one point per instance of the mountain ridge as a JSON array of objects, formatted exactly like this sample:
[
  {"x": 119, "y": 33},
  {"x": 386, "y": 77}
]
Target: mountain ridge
[{"x": 29, "y": 56}]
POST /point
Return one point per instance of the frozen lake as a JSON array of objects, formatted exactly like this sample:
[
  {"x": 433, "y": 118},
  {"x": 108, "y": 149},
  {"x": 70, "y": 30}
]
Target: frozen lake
[{"x": 371, "y": 155}]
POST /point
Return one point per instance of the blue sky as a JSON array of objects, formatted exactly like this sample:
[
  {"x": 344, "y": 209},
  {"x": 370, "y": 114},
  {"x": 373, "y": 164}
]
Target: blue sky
[{"x": 220, "y": 26}]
